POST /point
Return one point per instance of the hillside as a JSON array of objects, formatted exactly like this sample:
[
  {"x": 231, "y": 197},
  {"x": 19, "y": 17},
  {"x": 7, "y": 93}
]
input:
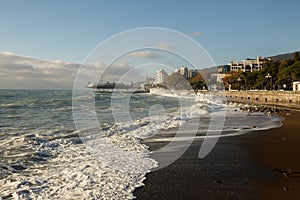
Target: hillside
[{"x": 284, "y": 56}]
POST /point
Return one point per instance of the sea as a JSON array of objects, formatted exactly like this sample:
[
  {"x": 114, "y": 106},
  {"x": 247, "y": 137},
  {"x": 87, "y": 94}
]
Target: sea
[{"x": 46, "y": 154}]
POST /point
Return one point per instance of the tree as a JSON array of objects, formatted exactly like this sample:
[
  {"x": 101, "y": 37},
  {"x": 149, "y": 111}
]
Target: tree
[
  {"x": 197, "y": 82},
  {"x": 231, "y": 79},
  {"x": 294, "y": 71},
  {"x": 296, "y": 57}
]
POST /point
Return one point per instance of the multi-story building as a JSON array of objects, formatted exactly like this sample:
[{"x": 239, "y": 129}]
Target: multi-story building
[
  {"x": 192, "y": 73},
  {"x": 184, "y": 71},
  {"x": 187, "y": 73},
  {"x": 161, "y": 77},
  {"x": 248, "y": 65},
  {"x": 223, "y": 69},
  {"x": 296, "y": 86}
]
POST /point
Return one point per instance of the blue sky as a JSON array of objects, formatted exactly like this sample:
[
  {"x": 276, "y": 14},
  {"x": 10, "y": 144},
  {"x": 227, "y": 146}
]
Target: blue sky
[{"x": 69, "y": 30}]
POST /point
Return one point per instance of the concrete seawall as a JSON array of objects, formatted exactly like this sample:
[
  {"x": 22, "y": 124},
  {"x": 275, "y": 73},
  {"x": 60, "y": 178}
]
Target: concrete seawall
[{"x": 276, "y": 98}]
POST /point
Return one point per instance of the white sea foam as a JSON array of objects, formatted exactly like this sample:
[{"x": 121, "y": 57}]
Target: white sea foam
[
  {"x": 237, "y": 122},
  {"x": 72, "y": 172},
  {"x": 57, "y": 165}
]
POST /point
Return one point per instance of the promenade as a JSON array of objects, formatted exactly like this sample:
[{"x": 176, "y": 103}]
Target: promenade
[{"x": 275, "y": 98}]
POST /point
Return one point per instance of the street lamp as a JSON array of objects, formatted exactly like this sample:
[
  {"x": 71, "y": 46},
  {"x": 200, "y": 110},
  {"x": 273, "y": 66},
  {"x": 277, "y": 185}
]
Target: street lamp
[
  {"x": 239, "y": 80},
  {"x": 269, "y": 77}
]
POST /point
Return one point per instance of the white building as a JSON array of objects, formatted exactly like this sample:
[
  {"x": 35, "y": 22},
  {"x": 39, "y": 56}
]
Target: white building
[
  {"x": 296, "y": 86},
  {"x": 248, "y": 65},
  {"x": 161, "y": 77},
  {"x": 218, "y": 78},
  {"x": 184, "y": 71}
]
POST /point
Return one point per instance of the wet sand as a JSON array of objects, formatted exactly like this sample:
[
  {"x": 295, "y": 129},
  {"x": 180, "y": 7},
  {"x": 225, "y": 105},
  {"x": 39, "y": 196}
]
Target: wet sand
[
  {"x": 258, "y": 165},
  {"x": 279, "y": 150}
]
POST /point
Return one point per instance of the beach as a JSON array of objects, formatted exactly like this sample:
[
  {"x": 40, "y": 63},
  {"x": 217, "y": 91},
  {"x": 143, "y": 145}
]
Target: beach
[
  {"x": 279, "y": 151},
  {"x": 257, "y": 165},
  {"x": 44, "y": 155}
]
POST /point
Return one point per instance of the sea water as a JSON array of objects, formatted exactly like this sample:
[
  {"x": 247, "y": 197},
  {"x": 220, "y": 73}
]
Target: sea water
[{"x": 43, "y": 155}]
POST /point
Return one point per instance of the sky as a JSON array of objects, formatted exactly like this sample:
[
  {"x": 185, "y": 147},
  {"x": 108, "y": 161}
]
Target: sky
[{"x": 43, "y": 43}]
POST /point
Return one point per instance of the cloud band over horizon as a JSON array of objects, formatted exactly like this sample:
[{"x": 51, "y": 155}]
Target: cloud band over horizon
[{"x": 21, "y": 72}]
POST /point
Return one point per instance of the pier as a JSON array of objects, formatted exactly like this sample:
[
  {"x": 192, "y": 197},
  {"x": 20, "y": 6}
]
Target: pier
[{"x": 110, "y": 87}]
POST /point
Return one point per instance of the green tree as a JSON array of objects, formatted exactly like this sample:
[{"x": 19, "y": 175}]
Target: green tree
[
  {"x": 282, "y": 72},
  {"x": 296, "y": 57},
  {"x": 231, "y": 79},
  {"x": 197, "y": 82},
  {"x": 294, "y": 71}
]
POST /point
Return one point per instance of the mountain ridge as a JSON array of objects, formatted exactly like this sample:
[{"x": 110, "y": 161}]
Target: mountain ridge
[{"x": 283, "y": 56}]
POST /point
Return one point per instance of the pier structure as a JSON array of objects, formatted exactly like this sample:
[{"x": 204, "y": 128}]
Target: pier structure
[{"x": 110, "y": 87}]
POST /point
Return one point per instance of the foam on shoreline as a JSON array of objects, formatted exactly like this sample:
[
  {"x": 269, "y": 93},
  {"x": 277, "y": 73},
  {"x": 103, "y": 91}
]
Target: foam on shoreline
[{"x": 43, "y": 156}]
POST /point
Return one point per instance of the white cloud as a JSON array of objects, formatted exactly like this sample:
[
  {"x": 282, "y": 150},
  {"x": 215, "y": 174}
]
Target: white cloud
[
  {"x": 29, "y": 73},
  {"x": 7, "y": 53},
  {"x": 23, "y": 72},
  {"x": 165, "y": 46},
  {"x": 144, "y": 54},
  {"x": 196, "y": 33}
]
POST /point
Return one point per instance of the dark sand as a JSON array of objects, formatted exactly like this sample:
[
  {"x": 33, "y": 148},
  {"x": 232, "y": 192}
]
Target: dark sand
[
  {"x": 279, "y": 150},
  {"x": 258, "y": 165}
]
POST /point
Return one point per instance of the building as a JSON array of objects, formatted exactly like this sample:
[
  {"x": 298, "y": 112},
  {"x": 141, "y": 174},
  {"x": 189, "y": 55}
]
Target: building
[
  {"x": 217, "y": 78},
  {"x": 296, "y": 86},
  {"x": 184, "y": 71},
  {"x": 248, "y": 65},
  {"x": 187, "y": 73},
  {"x": 149, "y": 81},
  {"x": 223, "y": 69},
  {"x": 161, "y": 77},
  {"x": 192, "y": 73}
]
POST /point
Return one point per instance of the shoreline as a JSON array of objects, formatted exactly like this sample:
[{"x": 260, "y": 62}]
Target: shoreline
[{"x": 239, "y": 167}]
